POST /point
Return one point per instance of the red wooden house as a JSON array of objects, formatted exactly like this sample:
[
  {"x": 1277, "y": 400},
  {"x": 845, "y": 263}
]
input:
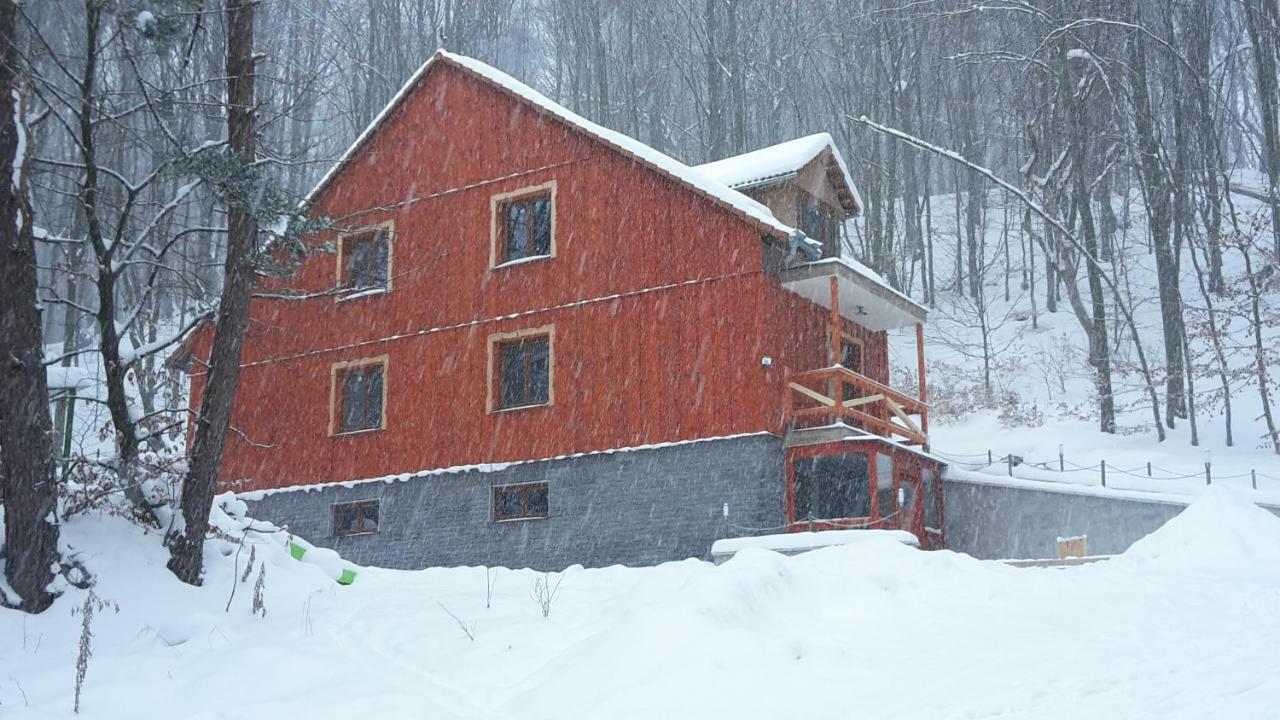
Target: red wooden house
[{"x": 540, "y": 342}]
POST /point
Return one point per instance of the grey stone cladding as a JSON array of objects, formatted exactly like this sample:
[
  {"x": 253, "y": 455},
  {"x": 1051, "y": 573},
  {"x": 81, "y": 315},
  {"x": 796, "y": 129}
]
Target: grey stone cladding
[{"x": 631, "y": 507}]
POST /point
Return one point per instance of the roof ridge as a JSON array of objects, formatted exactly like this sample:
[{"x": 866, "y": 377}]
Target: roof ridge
[{"x": 714, "y": 190}]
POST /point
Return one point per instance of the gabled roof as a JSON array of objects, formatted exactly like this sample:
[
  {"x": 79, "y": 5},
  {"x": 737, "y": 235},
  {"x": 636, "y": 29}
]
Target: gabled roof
[
  {"x": 784, "y": 161},
  {"x": 664, "y": 164}
]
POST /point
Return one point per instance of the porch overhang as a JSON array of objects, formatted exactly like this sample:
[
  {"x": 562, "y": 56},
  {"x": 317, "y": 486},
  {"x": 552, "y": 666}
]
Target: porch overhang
[{"x": 864, "y": 296}]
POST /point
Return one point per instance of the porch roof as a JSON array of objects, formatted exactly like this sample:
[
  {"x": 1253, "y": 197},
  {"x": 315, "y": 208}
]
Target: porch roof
[
  {"x": 842, "y": 432},
  {"x": 864, "y": 296}
]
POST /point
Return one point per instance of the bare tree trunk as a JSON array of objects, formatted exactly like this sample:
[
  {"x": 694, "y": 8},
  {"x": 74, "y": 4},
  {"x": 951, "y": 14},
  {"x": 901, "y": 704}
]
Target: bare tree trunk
[
  {"x": 1263, "y": 18},
  {"x": 1259, "y": 350},
  {"x": 1156, "y": 184},
  {"x": 27, "y": 480},
  {"x": 214, "y": 420}
]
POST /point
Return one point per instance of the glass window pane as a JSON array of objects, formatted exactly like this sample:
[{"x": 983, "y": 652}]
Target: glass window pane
[
  {"x": 344, "y": 519},
  {"x": 369, "y": 517},
  {"x": 538, "y": 500},
  {"x": 358, "y": 264},
  {"x": 517, "y": 231},
  {"x": 373, "y": 401},
  {"x": 538, "y": 352},
  {"x": 930, "y": 501},
  {"x": 381, "y": 253},
  {"x": 352, "y": 400},
  {"x": 511, "y": 374},
  {"x": 510, "y": 502},
  {"x": 541, "y": 226},
  {"x": 832, "y": 487}
]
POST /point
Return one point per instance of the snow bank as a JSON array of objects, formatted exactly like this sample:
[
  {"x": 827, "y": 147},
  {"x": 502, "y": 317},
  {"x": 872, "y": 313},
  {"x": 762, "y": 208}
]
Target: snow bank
[
  {"x": 875, "y": 628},
  {"x": 1222, "y": 527}
]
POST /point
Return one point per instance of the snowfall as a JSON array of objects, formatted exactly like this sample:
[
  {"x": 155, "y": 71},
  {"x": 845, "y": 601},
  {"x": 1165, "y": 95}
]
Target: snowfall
[{"x": 1186, "y": 624}]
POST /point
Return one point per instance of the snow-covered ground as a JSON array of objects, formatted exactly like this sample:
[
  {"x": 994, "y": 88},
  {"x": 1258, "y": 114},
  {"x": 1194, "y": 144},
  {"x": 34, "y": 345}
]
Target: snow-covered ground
[{"x": 1184, "y": 625}]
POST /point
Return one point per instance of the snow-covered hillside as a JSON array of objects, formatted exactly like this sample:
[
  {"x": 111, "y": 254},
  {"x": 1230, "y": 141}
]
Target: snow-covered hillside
[
  {"x": 1182, "y": 626},
  {"x": 1042, "y": 389}
]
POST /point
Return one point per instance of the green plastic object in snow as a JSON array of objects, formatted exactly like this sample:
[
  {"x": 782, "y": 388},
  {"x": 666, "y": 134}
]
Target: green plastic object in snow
[
  {"x": 297, "y": 551},
  {"x": 348, "y": 577}
]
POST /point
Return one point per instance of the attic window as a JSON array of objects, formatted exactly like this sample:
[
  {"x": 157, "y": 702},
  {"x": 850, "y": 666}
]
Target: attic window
[
  {"x": 524, "y": 225},
  {"x": 365, "y": 261},
  {"x": 819, "y": 222}
]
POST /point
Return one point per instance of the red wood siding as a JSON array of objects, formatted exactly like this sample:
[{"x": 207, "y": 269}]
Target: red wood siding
[
  {"x": 681, "y": 361},
  {"x": 660, "y": 306}
]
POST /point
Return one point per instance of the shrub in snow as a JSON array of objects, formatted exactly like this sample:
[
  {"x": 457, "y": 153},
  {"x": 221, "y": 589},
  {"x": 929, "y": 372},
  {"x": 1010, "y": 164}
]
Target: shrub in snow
[{"x": 543, "y": 592}]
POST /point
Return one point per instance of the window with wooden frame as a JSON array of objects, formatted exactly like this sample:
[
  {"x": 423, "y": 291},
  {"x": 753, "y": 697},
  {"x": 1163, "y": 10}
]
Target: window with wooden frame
[
  {"x": 521, "y": 369},
  {"x": 819, "y": 222},
  {"x": 358, "y": 396},
  {"x": 364, "y": 261},
  {"x": 355, "y": 518},
  {"x": 523, "y": 226},
  {"x": 851, "y": 359},
  {"x": 851, "y": 353},
  {"x": 526, "y": 501}
]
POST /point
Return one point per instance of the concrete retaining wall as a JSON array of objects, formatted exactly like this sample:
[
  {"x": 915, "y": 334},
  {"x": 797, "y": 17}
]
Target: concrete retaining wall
[
  {"x": 636, "y": 507},
  {"x": 996, "y": 521}
]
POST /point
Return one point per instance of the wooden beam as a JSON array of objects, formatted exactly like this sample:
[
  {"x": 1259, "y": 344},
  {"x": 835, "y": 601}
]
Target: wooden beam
[
  {"x": 906, "y": 420},
  {"x": 862, "y": 400},
  {"x": 812, "y": 394}
]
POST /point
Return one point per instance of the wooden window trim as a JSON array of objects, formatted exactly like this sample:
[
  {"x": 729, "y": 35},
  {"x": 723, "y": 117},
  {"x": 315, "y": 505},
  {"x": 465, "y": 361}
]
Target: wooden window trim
[
  {"x": 359, "y": 505},
  {"x": 335, "y": 397},
  {"x": 497, "y": 489},
  {"x": 549, "y": 331},
  {"x": 497, "y": 221},
  {"x": 390, "y": 228}
]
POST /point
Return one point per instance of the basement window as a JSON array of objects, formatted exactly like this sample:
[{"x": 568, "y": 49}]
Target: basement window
[
  {"x": 526, "y": 501},
  {"x": 355, "y": 518}
]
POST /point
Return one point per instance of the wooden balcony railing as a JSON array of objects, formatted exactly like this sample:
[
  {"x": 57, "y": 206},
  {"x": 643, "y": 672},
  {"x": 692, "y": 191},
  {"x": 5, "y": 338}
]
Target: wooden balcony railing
[{"x": 838, "y": 393}]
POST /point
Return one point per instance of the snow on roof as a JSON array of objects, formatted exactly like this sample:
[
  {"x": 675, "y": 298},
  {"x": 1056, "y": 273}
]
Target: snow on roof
[
  {"x": 716, "y": 190},
  {"x": 780, "y": 161}
]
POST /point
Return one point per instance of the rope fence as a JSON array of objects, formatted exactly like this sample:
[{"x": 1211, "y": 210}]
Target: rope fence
[{"x": 1102, "y": 468}]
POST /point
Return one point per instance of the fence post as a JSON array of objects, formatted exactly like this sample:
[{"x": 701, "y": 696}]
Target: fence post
[
  {"x": 1062, "y": 467},
  {"x": 1104, "y": 473},
  {"x": 1208, "y": 467},
  {"x": 1253, "y": 474},
  {"x": 1148, "y": 468},
  {"x": 989, "y": 460},
  {"x": 1009, "y": 460}
]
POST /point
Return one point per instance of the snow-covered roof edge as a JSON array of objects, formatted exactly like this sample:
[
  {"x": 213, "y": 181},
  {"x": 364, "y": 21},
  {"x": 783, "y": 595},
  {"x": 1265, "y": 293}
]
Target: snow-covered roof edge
[
  {"x": 779, "y": 160},
  {"x": 663, "y": 163}
]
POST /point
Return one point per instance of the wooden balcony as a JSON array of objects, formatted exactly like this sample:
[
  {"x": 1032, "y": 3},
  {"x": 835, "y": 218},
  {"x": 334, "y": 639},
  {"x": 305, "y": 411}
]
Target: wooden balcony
[{"x": 838, "y": 394}]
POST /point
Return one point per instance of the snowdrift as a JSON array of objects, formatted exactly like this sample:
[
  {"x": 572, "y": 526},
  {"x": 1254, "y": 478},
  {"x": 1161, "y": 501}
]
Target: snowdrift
[{"x": 1183, "y": 625}]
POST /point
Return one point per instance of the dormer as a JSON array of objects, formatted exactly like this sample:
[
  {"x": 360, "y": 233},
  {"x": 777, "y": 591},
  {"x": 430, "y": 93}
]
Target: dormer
[{"x": 804, "y": 182}]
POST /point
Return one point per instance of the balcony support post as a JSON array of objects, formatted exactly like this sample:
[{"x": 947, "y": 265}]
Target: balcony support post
[
  {"x": 924, "y": 393},
  {"x": 835, "y": 348}
]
